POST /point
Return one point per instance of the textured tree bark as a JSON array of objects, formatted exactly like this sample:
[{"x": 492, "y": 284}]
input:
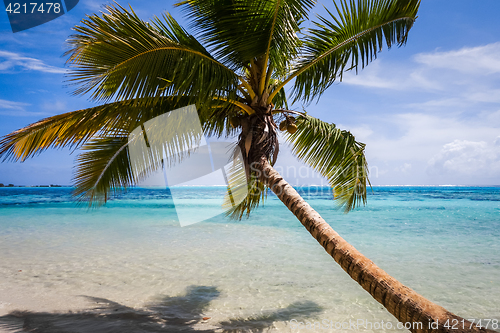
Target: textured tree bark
[{"x": 406, "y": 305}]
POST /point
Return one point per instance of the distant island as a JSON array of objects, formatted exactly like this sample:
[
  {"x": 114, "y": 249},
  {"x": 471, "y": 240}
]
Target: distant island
[{"x": 12, "y": 185}]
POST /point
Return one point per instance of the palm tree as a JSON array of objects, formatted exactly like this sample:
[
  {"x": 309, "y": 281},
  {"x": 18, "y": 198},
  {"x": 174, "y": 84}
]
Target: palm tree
[{"x": 234, "y": 69}]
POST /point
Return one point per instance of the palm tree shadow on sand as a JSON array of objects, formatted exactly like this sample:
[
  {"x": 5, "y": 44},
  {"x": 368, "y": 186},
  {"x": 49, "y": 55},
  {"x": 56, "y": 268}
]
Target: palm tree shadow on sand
[
  {"x": 264, "y": 322},
  {"x": 168, "y": 314}
]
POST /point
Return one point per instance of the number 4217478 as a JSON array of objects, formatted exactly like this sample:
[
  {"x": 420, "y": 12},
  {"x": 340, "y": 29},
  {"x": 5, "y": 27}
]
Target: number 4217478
[{"x": 33, "y": 8}]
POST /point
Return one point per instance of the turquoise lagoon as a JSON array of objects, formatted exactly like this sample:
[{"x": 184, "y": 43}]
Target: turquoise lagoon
[{"x": 130, "y": 267}]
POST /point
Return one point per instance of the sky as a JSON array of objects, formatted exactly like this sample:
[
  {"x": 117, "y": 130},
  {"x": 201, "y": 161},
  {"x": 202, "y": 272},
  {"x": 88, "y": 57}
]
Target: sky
[{"x": 429, "y": 112}]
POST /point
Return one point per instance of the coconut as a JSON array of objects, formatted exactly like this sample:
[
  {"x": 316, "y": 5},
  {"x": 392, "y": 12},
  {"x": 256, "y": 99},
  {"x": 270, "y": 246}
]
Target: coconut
[
  {"x": 283, "y": 125},
  {"x": 291, "y": 128}
]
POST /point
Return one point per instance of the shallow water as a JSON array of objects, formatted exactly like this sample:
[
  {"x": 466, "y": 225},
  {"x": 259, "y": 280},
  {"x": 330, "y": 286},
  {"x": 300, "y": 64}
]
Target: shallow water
[{"x": 129, "y": 266}]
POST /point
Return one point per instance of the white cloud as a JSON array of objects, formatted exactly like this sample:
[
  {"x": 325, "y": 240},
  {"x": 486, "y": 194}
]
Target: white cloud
[
  {"x": 16, "y": 109},
  {"x": 417, "y": 136},
  {"x": 438, "y": 113},
  {"x": 405, "y": 168},
  {"x": 10, "y": 61},
  {"x": 361, "y": 132},
  {"x": 479, "y": 60},
  {"x": 467, "y": 158},
  {"x": 409, "y": 110},
  {"x": 400, "y": 146},
  {"x": 468, "y": 69},
  {"x": 55, "y": 106},
  {"x": 12, "y": 106},
  {"x": 373, "y": 77},
  {"x": 394, "y": 76},
  {"x": 487, "y": 96},
  {"x": 439, "y": 104}
]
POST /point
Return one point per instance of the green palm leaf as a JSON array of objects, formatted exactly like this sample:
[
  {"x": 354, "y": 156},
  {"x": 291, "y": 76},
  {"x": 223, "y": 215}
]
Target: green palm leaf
[
  {"x": 102, "y": 133},
  {"x": 73, "y": 129},
  {"x": 280, "y": 100},
  {"x": 256, "y": 192},
  {"x": 65, "y": 130},
  {"x": 106, "y": 166},
  {"x": 111, "y": 163},
  {"x": 215, "y": 120},
  {"x": 352, "y": 37},
  {"x": 103, "y": 167},
  {"x": 241, "y": 30},
  {"x": 120, "y": 56},
  {"x": 336, "y": 155}
]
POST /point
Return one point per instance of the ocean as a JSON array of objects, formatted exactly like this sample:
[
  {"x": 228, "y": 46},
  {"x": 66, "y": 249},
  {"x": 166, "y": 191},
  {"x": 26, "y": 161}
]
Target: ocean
[{"x": 130, "y": 267}]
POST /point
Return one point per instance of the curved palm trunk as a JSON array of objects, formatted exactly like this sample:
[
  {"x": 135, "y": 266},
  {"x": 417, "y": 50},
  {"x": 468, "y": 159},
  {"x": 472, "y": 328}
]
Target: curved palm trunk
[{"x": 402, "y": 302}]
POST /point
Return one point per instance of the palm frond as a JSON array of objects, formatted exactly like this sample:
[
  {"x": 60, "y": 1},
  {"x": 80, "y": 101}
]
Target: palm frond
[
  {"x": 117, "y": 55},
  {"x": 111, "y": 163},
  {"x": 65, "y": 130},
  {"x": 73, "y": 129},
  {"x": 336, "y": 155},
  {"x": 241, "y": 30},
  {"x": 103, "y": 168},
  {"x": 280, "y": 100},
  {"x": 283, "y": 43},
  {"x": 351, "y": 38},
  {"x": 215, "y": 120},
  {"x": 256, "y": 192}
]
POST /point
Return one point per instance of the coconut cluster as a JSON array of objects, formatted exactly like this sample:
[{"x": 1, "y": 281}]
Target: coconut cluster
[{"x": 288, "y": 125}]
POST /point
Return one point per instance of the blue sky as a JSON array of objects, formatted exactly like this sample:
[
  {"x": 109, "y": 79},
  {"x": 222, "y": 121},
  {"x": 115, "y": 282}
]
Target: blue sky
[{"x": 429, "y": 112}]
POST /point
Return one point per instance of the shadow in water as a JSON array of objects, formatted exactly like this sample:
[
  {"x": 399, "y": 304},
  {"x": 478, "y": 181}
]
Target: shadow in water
[{"x": 169, "y": 314}]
